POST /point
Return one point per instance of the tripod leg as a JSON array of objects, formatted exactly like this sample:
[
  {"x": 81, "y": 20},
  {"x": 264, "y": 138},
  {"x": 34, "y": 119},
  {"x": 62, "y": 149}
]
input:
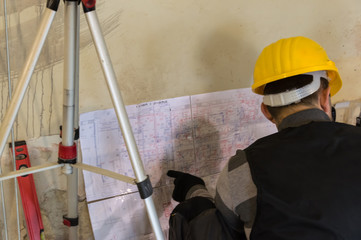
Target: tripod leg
[
  {"x": 27, "y": 72},
  {"x": 70, "y": 84},
  {"x": 142, "y": 180}
]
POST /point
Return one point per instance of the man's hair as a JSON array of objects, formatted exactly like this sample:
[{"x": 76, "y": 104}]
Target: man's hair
[{"x": 291, "y": 83}]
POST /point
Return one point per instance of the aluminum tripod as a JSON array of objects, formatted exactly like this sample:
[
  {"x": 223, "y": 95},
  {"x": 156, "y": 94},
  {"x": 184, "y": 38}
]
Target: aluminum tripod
[{"x": 67, "y": 148}]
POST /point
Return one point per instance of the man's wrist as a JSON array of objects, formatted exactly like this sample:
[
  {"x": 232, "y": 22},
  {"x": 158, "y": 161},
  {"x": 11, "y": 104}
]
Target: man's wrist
[{"x": 198, "y": 190}]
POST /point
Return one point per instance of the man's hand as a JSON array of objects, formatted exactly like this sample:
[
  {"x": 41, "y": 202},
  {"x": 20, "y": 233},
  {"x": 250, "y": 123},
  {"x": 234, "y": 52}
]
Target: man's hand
[{"x": 182, "y": 183}]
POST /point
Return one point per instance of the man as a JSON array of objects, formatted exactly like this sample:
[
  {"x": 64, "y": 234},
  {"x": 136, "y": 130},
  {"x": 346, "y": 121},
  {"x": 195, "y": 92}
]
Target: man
[{"x": 303, "y": 182}]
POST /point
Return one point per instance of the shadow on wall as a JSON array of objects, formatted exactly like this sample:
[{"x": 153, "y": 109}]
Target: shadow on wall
[
  {"x": 191, "y": 146},
  {"x": 196, "y": 150},
  {"x": 227, "y": 58}
]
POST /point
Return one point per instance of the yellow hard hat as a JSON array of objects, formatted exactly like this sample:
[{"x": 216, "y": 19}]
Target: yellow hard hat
[{"x": 293, "y": 56}]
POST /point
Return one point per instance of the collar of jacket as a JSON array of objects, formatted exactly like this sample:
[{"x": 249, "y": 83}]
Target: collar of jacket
[{"x": 304, "y": 117}]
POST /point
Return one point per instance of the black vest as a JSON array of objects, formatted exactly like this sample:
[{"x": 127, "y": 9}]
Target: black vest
[{"x": 308, "y": 180}]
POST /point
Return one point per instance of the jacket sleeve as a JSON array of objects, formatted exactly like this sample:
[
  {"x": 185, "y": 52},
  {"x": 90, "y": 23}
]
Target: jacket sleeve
[
  {"x": 197, "y": 218},
  {"x": 234, "y": 209},
  {"x": 236, "y": 193}
]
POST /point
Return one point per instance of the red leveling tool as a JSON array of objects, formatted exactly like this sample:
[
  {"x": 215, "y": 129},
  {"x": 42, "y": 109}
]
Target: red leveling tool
[{"x": 28, "y": 193}]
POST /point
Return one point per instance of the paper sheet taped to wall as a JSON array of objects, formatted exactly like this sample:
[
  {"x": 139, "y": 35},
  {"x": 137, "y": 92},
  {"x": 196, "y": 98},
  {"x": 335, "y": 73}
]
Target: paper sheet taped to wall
[{"x": 195, "y": 134}]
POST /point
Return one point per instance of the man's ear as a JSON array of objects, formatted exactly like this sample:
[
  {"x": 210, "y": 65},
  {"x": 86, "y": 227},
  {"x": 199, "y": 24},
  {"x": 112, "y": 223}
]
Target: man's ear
[
  {"x": 266, "y": 113},
  {"x": 325, "y": 100}
]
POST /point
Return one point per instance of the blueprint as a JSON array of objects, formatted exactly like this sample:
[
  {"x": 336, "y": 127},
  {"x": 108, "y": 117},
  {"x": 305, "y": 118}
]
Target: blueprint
[{"x": 195, "y": 134}]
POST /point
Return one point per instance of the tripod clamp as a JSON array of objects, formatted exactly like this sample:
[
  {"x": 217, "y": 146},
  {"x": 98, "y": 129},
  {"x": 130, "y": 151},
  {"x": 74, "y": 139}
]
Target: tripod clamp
[
  {"x": 70, "y": 222},
  {"x": 145, "y": 188},
  {"x": 67, "y": 154},
  {"x": 89, "y": 3},
  {"x": 54, "y": 4}
]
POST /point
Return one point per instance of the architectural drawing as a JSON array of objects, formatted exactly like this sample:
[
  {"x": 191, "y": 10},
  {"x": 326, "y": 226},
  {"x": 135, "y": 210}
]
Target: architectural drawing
[{"x": 195, "y": 134}]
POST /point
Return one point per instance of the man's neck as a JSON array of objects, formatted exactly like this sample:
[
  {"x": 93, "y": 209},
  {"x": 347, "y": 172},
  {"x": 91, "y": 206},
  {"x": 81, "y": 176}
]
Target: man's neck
[{"x": 293, "y": 109}]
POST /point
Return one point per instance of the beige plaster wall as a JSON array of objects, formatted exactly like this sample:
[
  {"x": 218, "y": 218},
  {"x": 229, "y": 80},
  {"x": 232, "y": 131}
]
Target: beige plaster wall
[{"x": 163, "y": 49}]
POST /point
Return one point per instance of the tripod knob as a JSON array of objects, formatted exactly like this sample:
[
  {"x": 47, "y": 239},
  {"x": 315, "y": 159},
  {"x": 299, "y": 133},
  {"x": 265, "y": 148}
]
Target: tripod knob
[{"x": 89, "y": 3}]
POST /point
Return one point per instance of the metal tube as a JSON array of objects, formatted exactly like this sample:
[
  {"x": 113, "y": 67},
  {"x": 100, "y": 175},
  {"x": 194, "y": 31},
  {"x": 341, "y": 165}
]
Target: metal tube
[
  {"x": 70, "y": 38},
  {"x": 12, "y": 128},
  {"x": 72, "y": 190},
  {"x": 12, "y": 134},
  {"x": 28, "y": 69},
  {"x": 30, "y": 170},
  {"x": 117, "y": 100},
  {"x": 105, "y": 172},
  {"x": 71, "y": 47},
  {"x": 4, "y": 212},
  {"x": 153, "y": 218},
  {"x": 76, "y": 71},
  {"x": 121, "y": 113}
]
